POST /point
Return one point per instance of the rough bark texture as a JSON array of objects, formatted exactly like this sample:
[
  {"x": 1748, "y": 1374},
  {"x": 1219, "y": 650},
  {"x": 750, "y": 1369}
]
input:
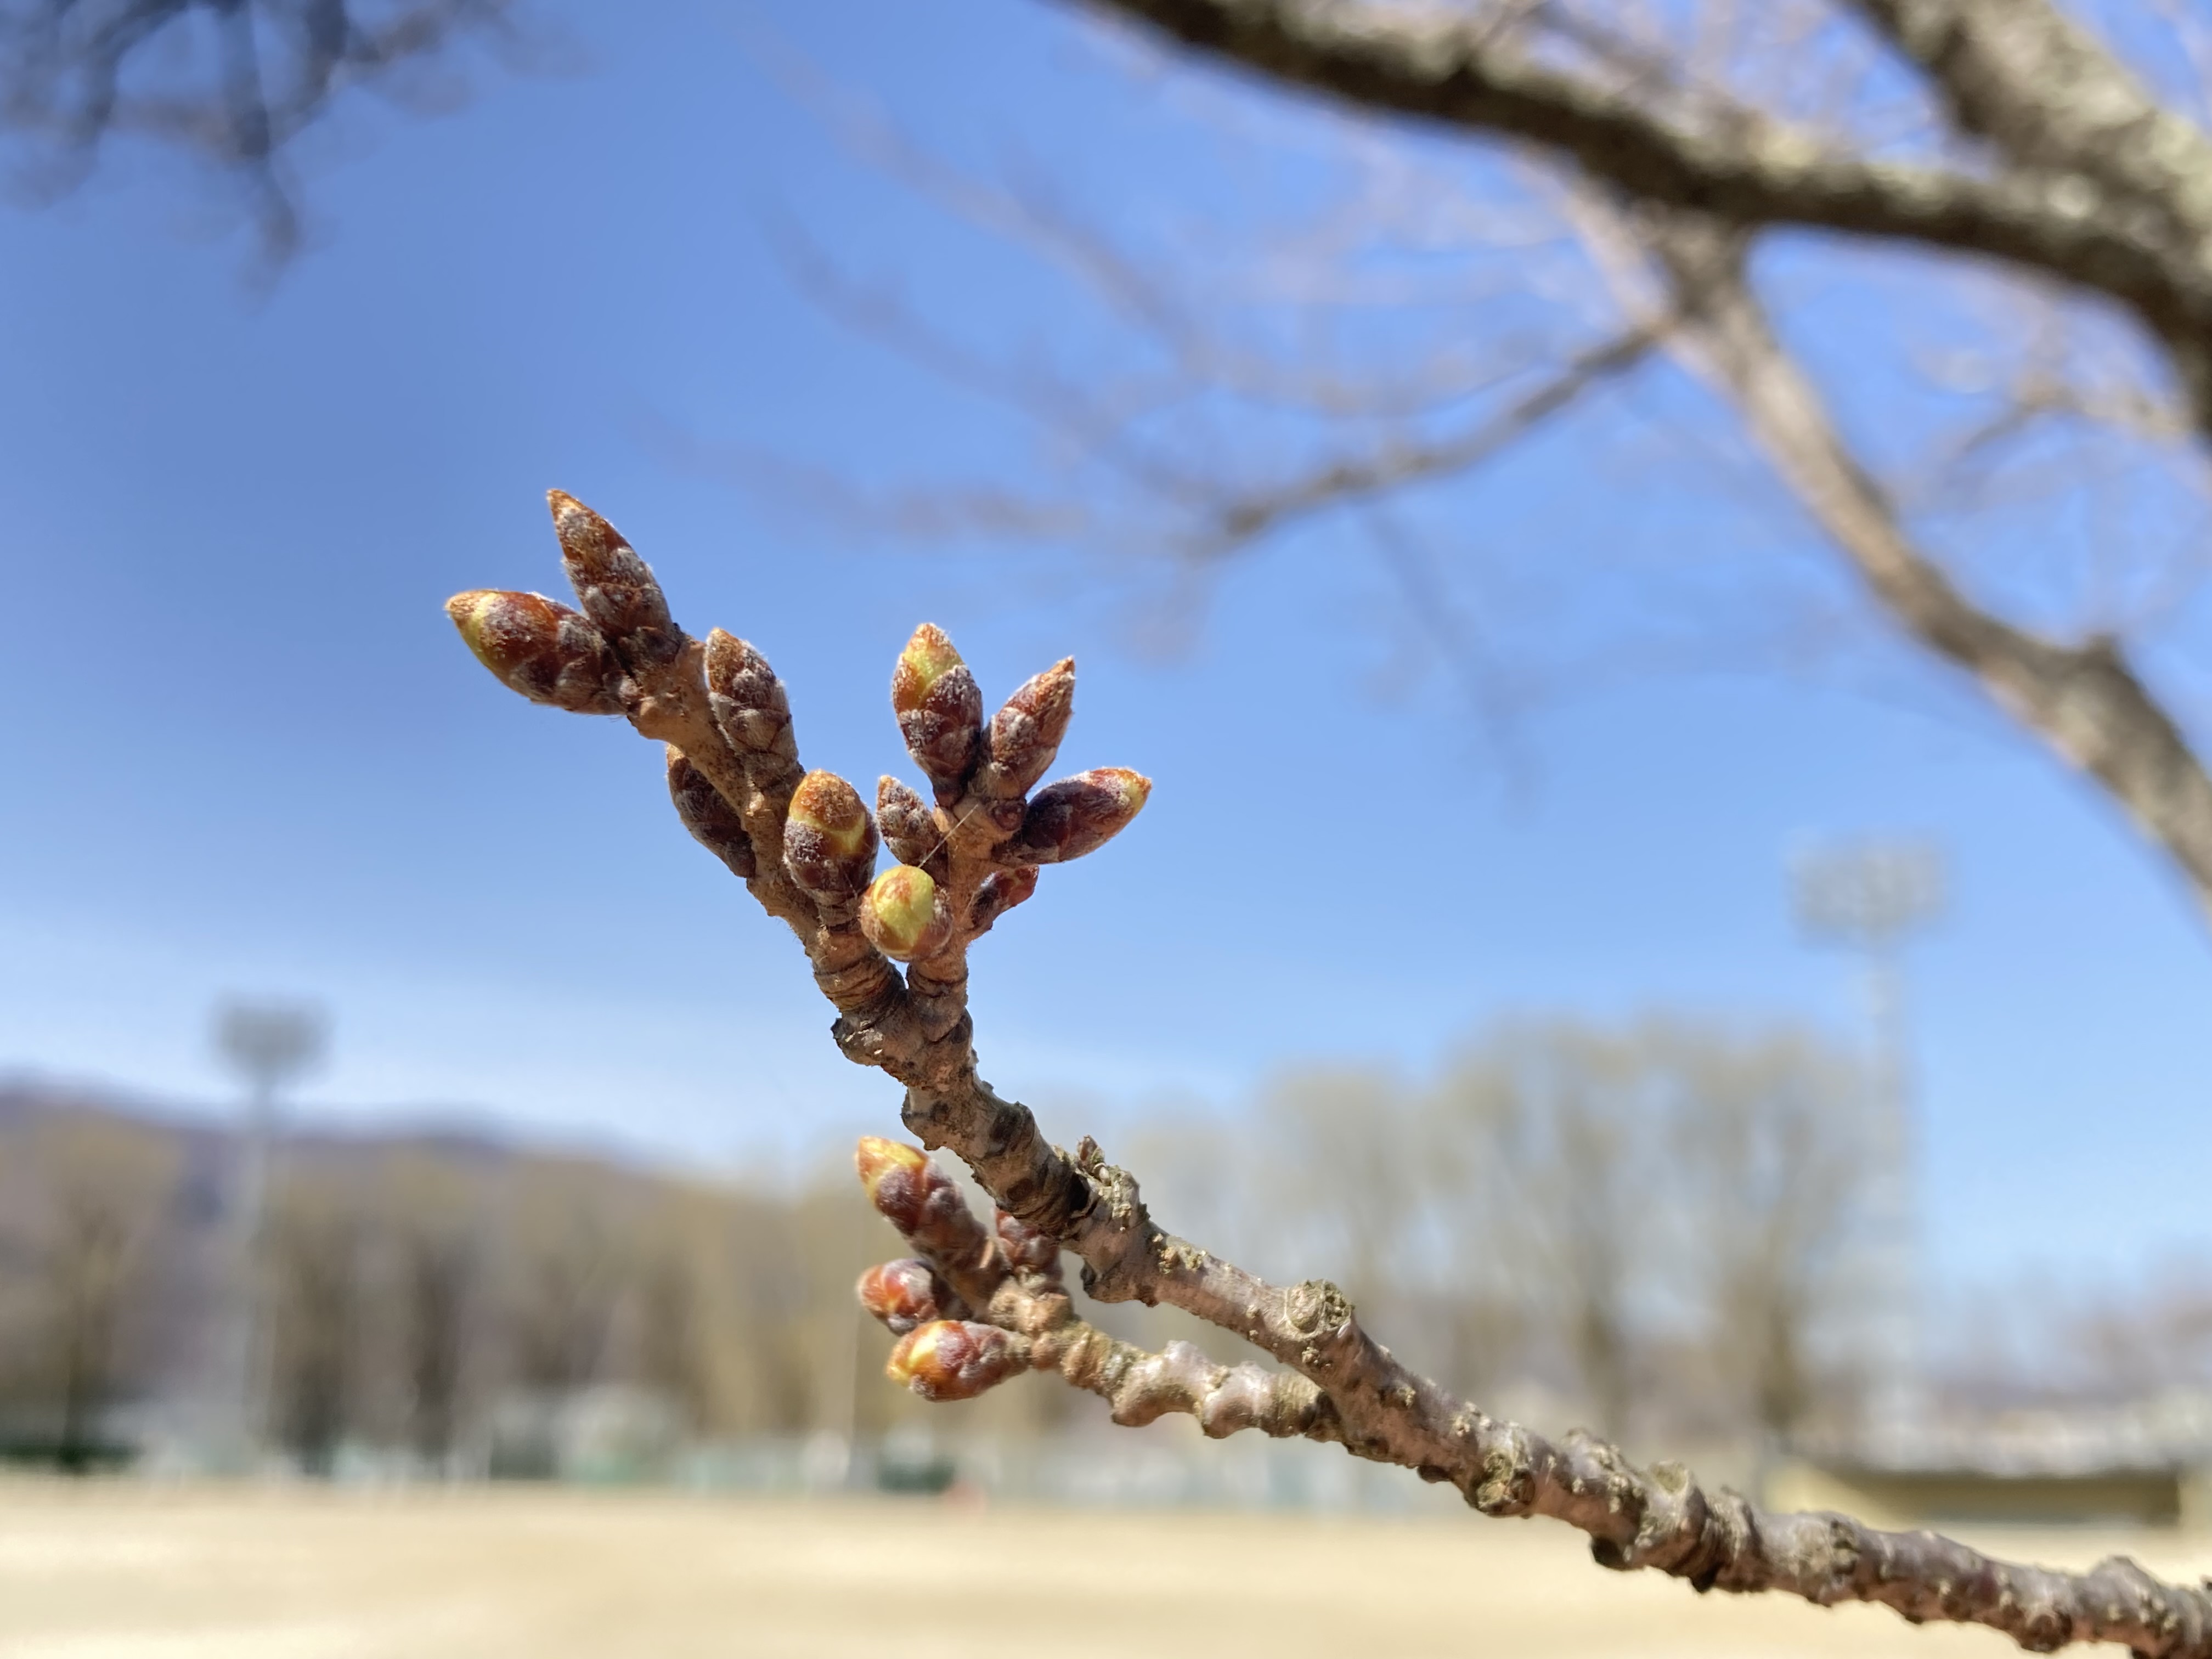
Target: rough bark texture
[
  {"x": 2078, "y": 175},
  {"x": 1005, "y": 1310}
]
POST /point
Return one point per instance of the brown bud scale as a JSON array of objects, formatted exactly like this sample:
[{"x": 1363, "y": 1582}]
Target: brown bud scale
[
  {"x": 907, "y": 826},
  {"x": 1027, "y": 1250},
  {"x": 616, "y": 588},
  {"x": 1025, "y": 734},
  {"x": 999, "y": 892},
  {"x": 748, "y": 702},
  {"x": 713, "y": 822},
  {"x": 906, "y": 1293},
  {"x": 1081, "y": 814}
]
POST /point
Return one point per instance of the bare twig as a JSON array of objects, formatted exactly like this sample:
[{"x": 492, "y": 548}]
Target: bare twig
[{"x": 239, "y": 81}]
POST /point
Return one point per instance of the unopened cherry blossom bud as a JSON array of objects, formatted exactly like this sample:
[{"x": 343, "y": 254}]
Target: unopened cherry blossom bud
[
  {"x": 999, "y": 892},
  {"x": 1027, "y": 1250},
  {"x": 924, "y": 1204},
  {"x": 940, "y": 709},
  {"x": 747, "y": 700},
  {"x": 615, "y": 586},
  {"x": 954, "y": 1360},
  {"x": 906, "y": 1293},
  {"x": 1081, "y": 814},
  {"x": 1025, "y": 734},
  {"x": 547, "y": 652},
  {"x": 907, "y": 826},
  {"x": 713, "y": 822},
  {"x": 829, "y": 840},
  {"x": 904, "y": 915}
]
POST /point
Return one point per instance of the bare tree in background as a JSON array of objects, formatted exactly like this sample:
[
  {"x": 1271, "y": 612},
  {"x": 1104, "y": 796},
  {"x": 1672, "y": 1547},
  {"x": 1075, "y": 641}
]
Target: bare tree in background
[
  {"x": 1666, "y": 1223},
  {"x": 1780, "y": 1184},
  {"x": 977, "y": 1305},
  {"x": 430, "y": 1213},
  {"x": 97, "y": 1193},
  {"x": 1947, "y": 262},
  {"x": 312, "y": 1259},
  {"x": 572, "y": 1251},
  {"x": 231, "y": 83}
]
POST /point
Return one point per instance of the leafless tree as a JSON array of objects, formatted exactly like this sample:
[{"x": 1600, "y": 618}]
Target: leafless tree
[
  {"x": 571, "y": 1247},
  {"x": 311, "y": 1251},
  {"x": 230, "y": 82},
  {"x": 1945, "y": 260},
  {"x": 430, "y": 1214},
  {"x": 95, "y": 1200},
  {"x": 974, "y": 1306}
]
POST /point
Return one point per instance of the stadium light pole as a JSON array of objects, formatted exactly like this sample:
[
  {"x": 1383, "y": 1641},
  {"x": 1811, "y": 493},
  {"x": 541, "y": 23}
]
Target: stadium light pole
[
  {"x": 269, "y": 1045},
  {"x": 1870, "y": 897}
]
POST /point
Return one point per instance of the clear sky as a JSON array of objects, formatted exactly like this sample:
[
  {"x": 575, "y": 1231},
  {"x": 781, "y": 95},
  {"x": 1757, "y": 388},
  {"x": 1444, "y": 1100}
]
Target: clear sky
[{"x": 244, "y": 753}]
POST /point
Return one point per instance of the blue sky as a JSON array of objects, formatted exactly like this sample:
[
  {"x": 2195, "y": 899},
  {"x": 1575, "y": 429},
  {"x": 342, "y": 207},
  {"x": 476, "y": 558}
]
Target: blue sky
[{"x": 245, "y": 754}]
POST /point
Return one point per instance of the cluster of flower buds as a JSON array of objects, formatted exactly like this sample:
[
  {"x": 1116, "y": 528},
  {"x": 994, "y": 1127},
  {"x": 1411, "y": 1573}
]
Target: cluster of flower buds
[
  {"x": 713, "y": 822},
  {"x": 955, "y": 1359},
  {"x": 547, "y": 652},
  {"x": 1081, "y": 814},
  {"x": 909, "y": 1292},
  {"x": 904, "y": 915},
  {"x": 615, "y": 586},
  {"x": 940, "y": 709},
  {"x": 829, "y": 839}
]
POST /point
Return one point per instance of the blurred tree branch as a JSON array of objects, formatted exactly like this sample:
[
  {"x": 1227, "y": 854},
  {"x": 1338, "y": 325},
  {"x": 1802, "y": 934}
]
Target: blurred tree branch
[
  {"x": 229, "y": 82},
  {"x": 2022, "y": 151}
]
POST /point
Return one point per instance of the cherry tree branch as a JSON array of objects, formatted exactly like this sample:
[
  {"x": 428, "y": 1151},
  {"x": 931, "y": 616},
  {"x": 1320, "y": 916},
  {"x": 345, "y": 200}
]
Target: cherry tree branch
[
  {"x": 2084, "y": 700},
  {"x": 978, "y": 1307},
  {"x": 1755, "y": 171}
]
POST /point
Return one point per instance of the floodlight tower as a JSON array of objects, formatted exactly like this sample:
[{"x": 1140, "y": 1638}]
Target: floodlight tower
[
  {"x": 1870, "y": 896},
  {"x": 269, "y": 1045}
]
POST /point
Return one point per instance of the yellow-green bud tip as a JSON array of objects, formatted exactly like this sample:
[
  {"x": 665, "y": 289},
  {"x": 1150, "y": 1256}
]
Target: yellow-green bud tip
[
  {"x": 874, "y": 1157},
  {"x": 900, "y": 914},
  {"x": 928, "y": 657},
  {"x": 916, "y": 1351},
  {"x": 825, "y": 803}
]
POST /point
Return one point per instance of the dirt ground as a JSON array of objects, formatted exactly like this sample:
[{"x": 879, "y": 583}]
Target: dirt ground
[{"x": 122, "y": 1571}]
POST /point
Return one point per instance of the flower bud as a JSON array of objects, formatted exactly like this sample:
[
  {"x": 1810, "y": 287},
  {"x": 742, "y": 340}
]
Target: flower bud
[
  {"x": 614, "y": 586},
  {"x": 921, "y": 1201},
  {"x": 908, "y": 828},
  {"x": 940, "y": 709},
  {"x": 713, "y": 822},
  {"x": 904, "y": 915},
  {"x": 879, "y": 1162},
  {"x": 999, "y": 892},
  {"x": 954, "y": 1360},
  {"x": 1081, "y": 814},
  {"x": 1025, "y": 734},
  {"x": 748, "y": 700},
  {"x": 545, "y": 651},
  {"x": 1027, "y": 1250},
  {"x": 907, "y": 1293},
  {"x": 829, "y": 840}
]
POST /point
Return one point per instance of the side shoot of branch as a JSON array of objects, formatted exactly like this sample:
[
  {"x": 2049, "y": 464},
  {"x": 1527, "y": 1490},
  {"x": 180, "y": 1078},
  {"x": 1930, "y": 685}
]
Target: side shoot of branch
[{"x": 971, "y": 1308}]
